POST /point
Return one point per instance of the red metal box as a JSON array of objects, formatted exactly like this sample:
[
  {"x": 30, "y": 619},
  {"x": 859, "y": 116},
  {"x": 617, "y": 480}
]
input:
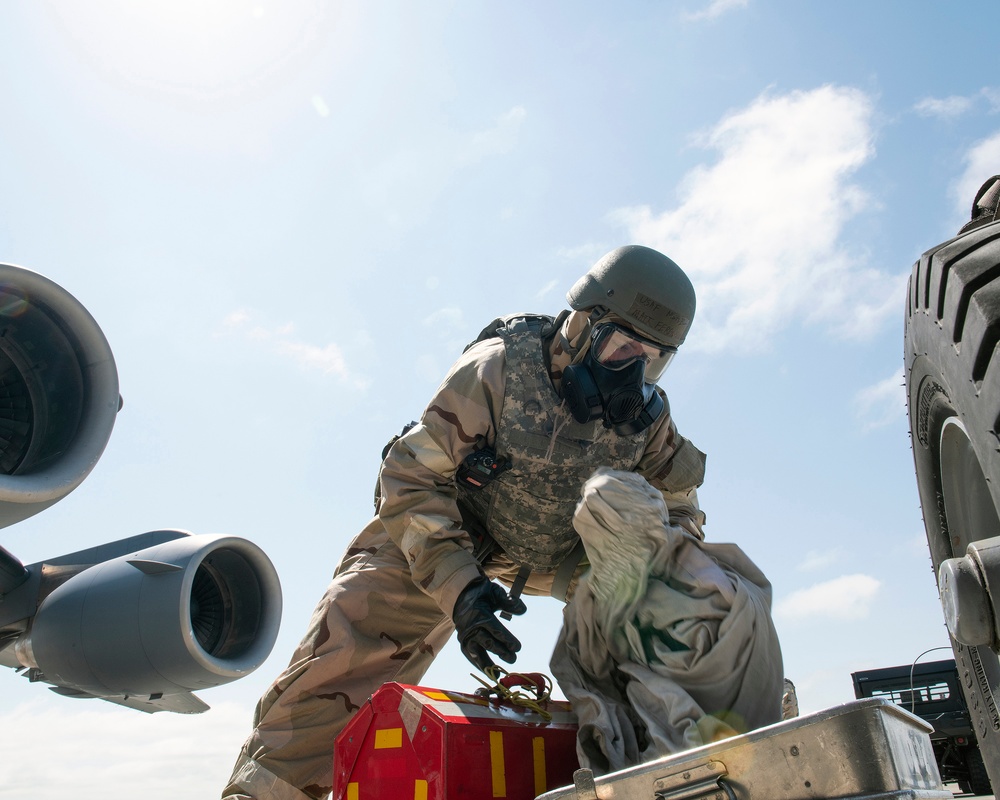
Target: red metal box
[{"x": 429, "y": 744}]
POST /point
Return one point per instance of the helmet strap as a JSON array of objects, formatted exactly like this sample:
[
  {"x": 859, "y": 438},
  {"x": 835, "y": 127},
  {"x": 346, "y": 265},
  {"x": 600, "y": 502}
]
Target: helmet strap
[{"x": 598, "y": 313}]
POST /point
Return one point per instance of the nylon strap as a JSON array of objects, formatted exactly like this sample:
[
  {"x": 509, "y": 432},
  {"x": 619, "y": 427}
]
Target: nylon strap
[
  {"x": 517, "y": 587},
  {"x": 565, "y": 571}
]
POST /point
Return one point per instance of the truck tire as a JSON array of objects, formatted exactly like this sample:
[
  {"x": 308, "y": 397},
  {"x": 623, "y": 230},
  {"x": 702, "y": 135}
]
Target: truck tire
[
  {"x": 953, "y": 402},
  {"x": 979, "y": 779}
]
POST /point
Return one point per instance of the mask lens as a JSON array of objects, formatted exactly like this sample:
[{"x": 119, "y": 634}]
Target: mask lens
[{"x": 616, "y": 348}]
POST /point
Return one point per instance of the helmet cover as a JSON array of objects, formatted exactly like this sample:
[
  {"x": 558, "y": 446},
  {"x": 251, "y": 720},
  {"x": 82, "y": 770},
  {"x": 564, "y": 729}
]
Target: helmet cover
[{"x": 643, "y": 287}]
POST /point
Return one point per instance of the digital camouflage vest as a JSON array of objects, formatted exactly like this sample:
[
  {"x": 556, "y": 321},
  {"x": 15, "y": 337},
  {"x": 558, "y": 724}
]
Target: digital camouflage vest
[{"x": 529, "y": 509}]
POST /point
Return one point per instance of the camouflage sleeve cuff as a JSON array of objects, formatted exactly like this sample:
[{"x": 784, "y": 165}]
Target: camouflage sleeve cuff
[{"x": 446, "y": 594}]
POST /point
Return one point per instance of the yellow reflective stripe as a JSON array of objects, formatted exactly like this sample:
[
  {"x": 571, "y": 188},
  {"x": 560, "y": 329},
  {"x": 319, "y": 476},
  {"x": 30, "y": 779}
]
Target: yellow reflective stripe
[
  {"x": 538, "y": 758},
  {"x": 496, "y": 763},
  {"x": 420, "y": 790},
  {"x": 388, "y": 738},
  {"x": 352, "y": 791},
  {"x": 437, "y": 695}
]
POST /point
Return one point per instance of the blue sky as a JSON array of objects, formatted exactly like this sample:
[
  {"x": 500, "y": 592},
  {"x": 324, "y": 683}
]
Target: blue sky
[{"x": 289, "y": 218}]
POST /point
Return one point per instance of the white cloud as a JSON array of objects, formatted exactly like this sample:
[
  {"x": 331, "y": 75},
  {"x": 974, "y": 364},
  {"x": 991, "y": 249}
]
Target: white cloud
[
  {"x": 955, "y": 105},
  {"x": 848, "y": 597},
  {"x": 992, "y": 98},
  {"x": 715, "y": 8},
  {"x": 823, "y": 686},
  {"x": 880, "y": 296},
  {"x": 760, "y": 230},
  {"x": 981, "y": 162},
  {"x": 116, "y": 753},
  {"x": 882, "y": 403},
  {"x": 280, "y": 340},
  {"x": 328, "y": 359},
  {"x": 237, "y": 318},
  {"x": 948, "y": 107}
]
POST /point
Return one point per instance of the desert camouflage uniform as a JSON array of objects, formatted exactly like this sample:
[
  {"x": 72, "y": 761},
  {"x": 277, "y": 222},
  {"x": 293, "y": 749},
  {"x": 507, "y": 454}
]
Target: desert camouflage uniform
[{"x": 387, "y": 611}]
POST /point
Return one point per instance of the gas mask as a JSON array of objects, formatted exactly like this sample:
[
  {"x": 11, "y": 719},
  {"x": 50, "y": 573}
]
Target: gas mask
[{"x": 614, "y": 381}]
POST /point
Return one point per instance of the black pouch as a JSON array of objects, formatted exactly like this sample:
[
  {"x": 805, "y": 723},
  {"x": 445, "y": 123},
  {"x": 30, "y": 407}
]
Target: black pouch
[{"x": 385, "y": 451}]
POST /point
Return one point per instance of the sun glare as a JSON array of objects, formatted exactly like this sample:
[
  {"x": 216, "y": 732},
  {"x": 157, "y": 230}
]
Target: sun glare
[{"x": 194, "y": 50}]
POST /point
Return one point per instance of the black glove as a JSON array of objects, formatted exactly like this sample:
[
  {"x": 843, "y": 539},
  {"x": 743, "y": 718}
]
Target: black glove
[{"x": 477, "y": 626}]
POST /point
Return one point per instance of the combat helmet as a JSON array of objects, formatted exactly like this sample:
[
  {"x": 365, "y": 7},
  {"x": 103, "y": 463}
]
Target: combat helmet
[{"x": 642, "y": 286}]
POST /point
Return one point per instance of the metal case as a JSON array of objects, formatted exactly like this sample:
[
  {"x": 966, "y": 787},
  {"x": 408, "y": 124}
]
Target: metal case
[{"x": 867, "y": 750}]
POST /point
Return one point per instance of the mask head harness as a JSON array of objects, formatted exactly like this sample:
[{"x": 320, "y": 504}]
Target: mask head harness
[{"x": 615, "y": 379}]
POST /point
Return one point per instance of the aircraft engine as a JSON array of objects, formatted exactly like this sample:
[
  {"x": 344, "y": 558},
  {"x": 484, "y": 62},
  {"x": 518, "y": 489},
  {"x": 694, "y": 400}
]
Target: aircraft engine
[
  {"x": 187, "y": 614},
  {"x": 58, "y": 393}
]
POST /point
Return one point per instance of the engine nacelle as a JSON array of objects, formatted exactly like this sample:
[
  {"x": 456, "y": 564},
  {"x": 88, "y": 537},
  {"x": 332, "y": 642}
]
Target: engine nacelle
[
  {"x": 58, "y": 393},
  {"x": 188, "y": 614}
]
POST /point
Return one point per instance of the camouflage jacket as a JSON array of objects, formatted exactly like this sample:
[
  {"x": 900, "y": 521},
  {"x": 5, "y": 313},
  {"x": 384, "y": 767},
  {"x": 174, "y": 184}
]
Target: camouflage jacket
[{"x": 419, "y": 504}]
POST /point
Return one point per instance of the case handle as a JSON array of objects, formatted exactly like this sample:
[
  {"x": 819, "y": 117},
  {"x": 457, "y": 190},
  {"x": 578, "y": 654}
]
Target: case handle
[{"x": 703, "y": 782}]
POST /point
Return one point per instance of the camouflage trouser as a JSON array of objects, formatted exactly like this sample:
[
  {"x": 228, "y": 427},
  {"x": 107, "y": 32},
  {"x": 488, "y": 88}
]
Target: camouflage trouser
[{"x": 372, "y": 625}]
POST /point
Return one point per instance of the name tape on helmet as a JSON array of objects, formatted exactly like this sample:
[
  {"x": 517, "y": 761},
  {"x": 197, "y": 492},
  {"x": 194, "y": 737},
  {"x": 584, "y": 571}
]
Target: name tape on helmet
[{"x": 656, "y": 315}]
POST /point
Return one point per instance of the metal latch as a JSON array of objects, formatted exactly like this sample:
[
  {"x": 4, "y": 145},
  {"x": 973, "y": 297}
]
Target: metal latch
[
  {"x": 703, "y": 782},
  {"x": 583, "y": 782}
]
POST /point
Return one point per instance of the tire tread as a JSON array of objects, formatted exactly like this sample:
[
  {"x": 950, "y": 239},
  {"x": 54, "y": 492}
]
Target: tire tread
[{"x": 953, "y": 367}]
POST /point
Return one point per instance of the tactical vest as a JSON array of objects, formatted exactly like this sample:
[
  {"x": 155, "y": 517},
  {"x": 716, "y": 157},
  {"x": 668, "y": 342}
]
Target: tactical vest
[{"x": 528, "y": 510}]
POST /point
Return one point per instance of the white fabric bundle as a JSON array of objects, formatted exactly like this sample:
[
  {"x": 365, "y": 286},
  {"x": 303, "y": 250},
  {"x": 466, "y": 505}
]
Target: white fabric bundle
[{"x": 668, "y": 642}]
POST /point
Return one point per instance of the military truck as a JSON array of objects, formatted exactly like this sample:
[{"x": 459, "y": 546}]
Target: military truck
[{"x": 932, "y": 691}]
